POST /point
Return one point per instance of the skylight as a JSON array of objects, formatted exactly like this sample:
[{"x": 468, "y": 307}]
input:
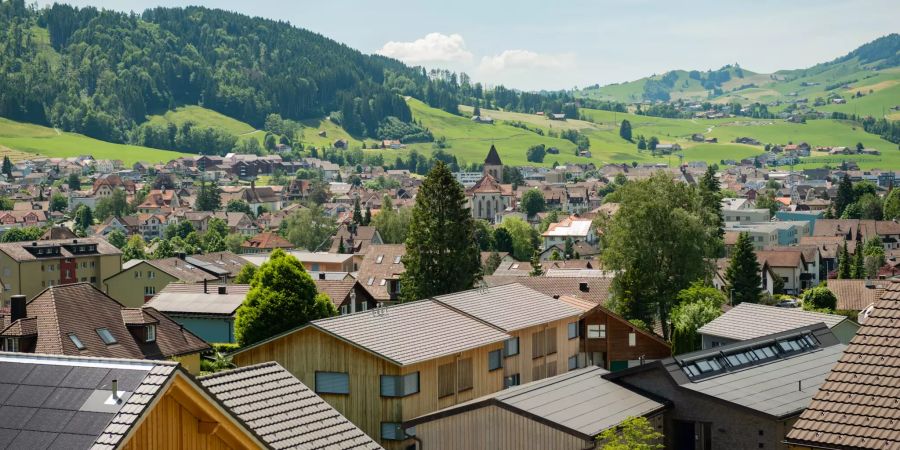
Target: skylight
[
  {"x": 379, "y": 259},
  {"x": 397, "y": 259},
  {"x": 78, "y": 344},
  {"x": 106, "y": 336},
  {"x": 743, "y": 357}
]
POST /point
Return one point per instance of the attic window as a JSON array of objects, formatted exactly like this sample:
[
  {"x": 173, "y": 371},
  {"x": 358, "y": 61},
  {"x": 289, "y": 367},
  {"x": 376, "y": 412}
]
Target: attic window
[
  {"x": 383, "y": 281},
  {"x": 151, "y": 333},
  {"x": 78, "y": 344},
  {"x": 106, "y": 336},
  {"x": 379, "y": 259},
  {"x": 397, "y": 259},
  {"x": 371, "y": 280},
  {"x": 515, "y": 266}
]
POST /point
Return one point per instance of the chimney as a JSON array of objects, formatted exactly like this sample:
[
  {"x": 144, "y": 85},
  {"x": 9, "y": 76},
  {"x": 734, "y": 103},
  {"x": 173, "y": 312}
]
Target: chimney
[
  {"x": 321, "y": 275},
  {"x": 17, "y": 308},
  {"x": 223, "y": 290},
  {"x": 205, "y": 290},
  {"x": 115, "y": 390},
  {"x": 583, "y": 286},
  {"x": 181, "y": 255}
]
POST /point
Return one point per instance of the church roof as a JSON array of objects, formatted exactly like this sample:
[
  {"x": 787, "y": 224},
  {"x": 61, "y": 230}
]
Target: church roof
[{"x": 493, "y": 158}]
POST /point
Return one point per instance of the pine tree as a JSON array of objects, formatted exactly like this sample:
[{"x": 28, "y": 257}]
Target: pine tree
[
  {"x": 569, "y": 249},
  {"x": 357, "y": 213},
  {"x": 844, "y": 196},
  {"x": 367, "y": 219},
  {"x": 743, "y": 273},
  {"x": 711, "y": 197},
  {"x": 441, "y": 253},
  {"x": 209, "y": 198},
  {"x": 625, "y": 130},
  {"x": 536, "y": 268},
  {"x": 7, "y": 167},
  {"x": 844, "y": 264},
  {"x": 858, "y": 271},
  {"x": 341, "y": 248}
]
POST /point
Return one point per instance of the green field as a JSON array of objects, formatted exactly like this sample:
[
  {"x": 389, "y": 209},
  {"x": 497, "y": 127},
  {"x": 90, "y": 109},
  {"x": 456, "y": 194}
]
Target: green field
[
  {"x": 208, "y": 118},
  {"x": 37, "y": 140}
]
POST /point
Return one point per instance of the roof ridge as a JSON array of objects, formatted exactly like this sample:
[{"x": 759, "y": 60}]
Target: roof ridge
[{"x": 238, "y": 370}]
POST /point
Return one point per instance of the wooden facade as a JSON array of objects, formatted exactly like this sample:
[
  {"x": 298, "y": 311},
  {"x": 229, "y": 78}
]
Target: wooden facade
[
  {"x": 547, "y": 358},
  {"x": 614, "y": 350},
  {"x": 184, "y": 418},
  {"x": 309, "y": 350}
]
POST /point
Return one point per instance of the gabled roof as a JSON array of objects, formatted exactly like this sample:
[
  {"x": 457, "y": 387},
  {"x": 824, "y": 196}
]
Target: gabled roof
[
  {"x": 580, "y": 402},
  {"x": 413, "y": 332},
  {"x": 592, "y": 289},
  {"x": 282, "y": 410},
  {"x": 382, "y": 262},
  {"x": 750, "y": 320},
  {"x": 855, "y": 295},
  {"x": 191, "y": 299},
  {"x": 858, "y": 406},
  {"x": 267, "y": 240},
  {"x": 509, "y": 307}
]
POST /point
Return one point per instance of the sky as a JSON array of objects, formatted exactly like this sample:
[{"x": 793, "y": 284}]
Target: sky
[{"x": 534, "y": 45}]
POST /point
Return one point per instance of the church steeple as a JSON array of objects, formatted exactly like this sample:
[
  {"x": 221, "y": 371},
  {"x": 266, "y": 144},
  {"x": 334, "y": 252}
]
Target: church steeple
[{"x": 493, "y": 166}]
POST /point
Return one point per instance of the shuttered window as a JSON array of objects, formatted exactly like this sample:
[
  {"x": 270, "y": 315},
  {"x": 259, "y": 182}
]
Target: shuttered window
[
  {"x": 399, "y": 386},
  {"x": 495, "y": 360},
  {"x": 537, "y": 344},
  {"x": 466, "y": 377},
  {"x": 550, "y": 336},
  {"x": 511, "y": 347},
  {"x": 537, "y": 372},
  {"x": 446, "y": 379},
  {"x": 573, "y": 330},
  {"x": 551, "y": 369},
  {"x": 391, "y": 431},
  {"x": 332, "y": 383}
]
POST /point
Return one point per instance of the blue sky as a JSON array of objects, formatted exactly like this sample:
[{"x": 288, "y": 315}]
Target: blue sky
[{"x": 552, "y": 44}]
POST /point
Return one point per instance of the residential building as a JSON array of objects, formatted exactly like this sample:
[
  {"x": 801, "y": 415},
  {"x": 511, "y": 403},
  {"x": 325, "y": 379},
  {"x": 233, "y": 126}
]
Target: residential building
[
  {"x": 19, "y": 219},
  {"x": 790, "y": 266},
  {"x": 567, "y": 411},
  {"x": 741, "y": 395},
  {"x": 348, "y": 295},
  {"x": 379, "y": 273},
  {"x": 138, "y": 281},
  {"x": 574, "y": 228},
  {"x": 265, "y": 242},
  {"x": 80, "y": 320},
  {"x": 856, "y": 295},
  {"x": 208, "y": 311},
  {"x": 592, "y": 289},
  {"x": 761, "y": 234},
  {"x": 69, "y": 402},
  {"x": 610, "y": 341},
  {"x": 282, "y": 411},
  {"x": 859, "y": 401},
  {"x": 355, "y": 238},
  {"x": 28, "y": 268},
  {"x": 751, "y": 320}
]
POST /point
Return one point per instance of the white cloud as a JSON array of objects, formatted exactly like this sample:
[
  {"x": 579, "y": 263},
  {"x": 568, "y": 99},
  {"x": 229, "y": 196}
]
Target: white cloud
[
  {"x": 434, "y": 48},
  {"x": 525, "y": 59}
]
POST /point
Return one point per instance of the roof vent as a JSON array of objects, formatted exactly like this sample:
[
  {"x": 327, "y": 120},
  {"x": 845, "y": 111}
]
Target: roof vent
[
  {"x": 321, "y": 275},
  {"x": 870, "y": 283},
  {"x": 583, "y": 286}
]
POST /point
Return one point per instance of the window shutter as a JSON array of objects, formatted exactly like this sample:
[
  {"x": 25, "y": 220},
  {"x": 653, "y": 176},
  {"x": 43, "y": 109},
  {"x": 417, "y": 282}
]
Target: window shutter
[
  {"x": 446, "y": 379},
  {"x": 537, "y": 344},
  {"x": 465, "y": 374},
  {"x": 551, "y": 369},
  {"x": 537, "y": 372},
  {"x": 332, "y": 383},
  {"x": 550, "y": 335}
]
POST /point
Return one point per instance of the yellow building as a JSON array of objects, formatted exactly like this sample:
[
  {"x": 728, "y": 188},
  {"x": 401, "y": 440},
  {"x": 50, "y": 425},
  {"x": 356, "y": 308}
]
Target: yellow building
[
  {"x": 28, "y": 268},
  {"x": 137, "y": 283}
]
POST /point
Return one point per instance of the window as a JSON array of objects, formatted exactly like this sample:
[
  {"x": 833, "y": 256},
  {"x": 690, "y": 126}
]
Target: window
[
  {"x": 537, "y": 344},
  {"x": 92, "y": 264},
  {"x": 137, "y": 274},
  {"x": 150, "y": 331},
  {"x": 466, "y": 380},
  {"x": 399, "y": 386},
  {"x": 446, "y": 379},
  {"x": 379, "y": 259},
  {"x": 573, "y": 363},
  {"x": 495, "y": 360},
  {"x": 370, "y": 281},
  {"x": 573, "y": 330},
  {"x": 77, "y": 342},
  {"x": 512, "y": 380},
  {"x": 151, "y": 274},
  {"x": 343, "y": 309},
  {"x": 382, "y": 282},
  {"x": 332, "y": 383},
  {"x": 596, "y": 331},
  {"x": 632, "y": 339},
  {"x": 391, "y": 431},
  {"x": 550, "y": 336},
  {"x": 93, "y": 279},
  {"x": 10, "y": 344},
  {"x": 106, "y": 336},
  {"x": 397, "y": 259},
  {"x": 149, "y": 290},
  {"x": 511, "y": 347}
]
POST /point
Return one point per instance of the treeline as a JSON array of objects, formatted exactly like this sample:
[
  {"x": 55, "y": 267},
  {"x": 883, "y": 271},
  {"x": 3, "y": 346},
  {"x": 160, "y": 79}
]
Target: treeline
[
  {"x": 104, "y": 72},
  {"x": 889, "y": 130}
]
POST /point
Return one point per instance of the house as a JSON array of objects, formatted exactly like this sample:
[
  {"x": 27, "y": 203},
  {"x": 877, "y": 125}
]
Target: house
[
  {"x": 740, "y": 395},
  {"x": 380, "y": 270},
  {"x": 750, "y": 321},
  {"x": 282, "y": 411},
  {"x": 554, "y": 116},
  {"x": 858, "y": 404},
  {"x": 356, "y": 238},
  {"x": 482, "y": 119},
  {"x": 567, "y": 411},
  {"x": 68, "y": 402},
  {"x": 574, "y": 228},
  {"x": 789, "y": 265},
  {"x": 28, "y": 268},
  {"x": 591, "y": 289},
  {"x": 208, "y": 311},
  {"x": 265, "y": 242},
  {"x": 855, "y": 295},
  {"x": 348, "y": 295},
  {"x": 418, "y": 357},
  {"x": 611, "y": 342},
  {"x": 314, "y": 261},
  {"x": 19, "y": 219},
  {"x": 138, "y": 281},
  {"x": 152, "y": 226},
  {"x": 80, "y": 320}
]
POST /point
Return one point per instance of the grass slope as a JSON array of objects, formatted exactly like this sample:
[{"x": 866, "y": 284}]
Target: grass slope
[
  {"x": 207, "y": 118},
  {"x": 27, "y": 140}
]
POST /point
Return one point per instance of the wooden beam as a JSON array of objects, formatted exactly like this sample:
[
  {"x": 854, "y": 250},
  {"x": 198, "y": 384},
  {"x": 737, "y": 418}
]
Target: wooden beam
[{"x": 207, "y": 427}]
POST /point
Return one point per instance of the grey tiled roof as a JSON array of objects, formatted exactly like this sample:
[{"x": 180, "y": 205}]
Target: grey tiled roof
[
  {"x": 58, "y": 401},
  {"x": 750, "y": 321},
  {"x": 412, "y": 332},
  {"x": 579, "y": 402},
  {"x": 510, "y": 307},
  {"x": 283, "y": 411}
]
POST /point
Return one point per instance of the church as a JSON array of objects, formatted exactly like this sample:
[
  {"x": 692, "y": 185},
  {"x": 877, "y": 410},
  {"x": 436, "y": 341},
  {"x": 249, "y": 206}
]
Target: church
[{"x": 488, "y": 198}]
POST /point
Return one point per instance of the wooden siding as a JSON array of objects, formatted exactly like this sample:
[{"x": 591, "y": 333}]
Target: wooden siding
[
  {"x": 184, "y": 419},
  {"x": 615, "y": 345},
  {"x": 494, "y": 428},
  {"x": 530, "y": 368}
]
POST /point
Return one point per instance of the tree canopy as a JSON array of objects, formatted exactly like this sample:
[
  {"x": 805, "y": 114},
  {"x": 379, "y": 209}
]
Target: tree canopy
[{"x": 743, "y": 273}]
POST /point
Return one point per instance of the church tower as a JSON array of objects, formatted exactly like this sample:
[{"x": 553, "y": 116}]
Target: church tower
[{"x": 492, "y": 165}]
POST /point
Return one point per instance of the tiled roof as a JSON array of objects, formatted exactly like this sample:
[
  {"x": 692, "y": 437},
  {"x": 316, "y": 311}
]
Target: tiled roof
[
  {"x": 18, "y": 252},
  {"x": 750, "y": 320},
  {"x": 509, "y": 307},
  {"x": 63, "y": 402},
  {"x": 783, "y": 258},
  {"x": 267, "y": 240},
  {"x": 191, "y": 299},
  {"x": 858, "y": 406},
  {"x": 596, "y": 290},
  {"x": 412, "y": 332},
  {"x": 282, "y": 410},
  {"x": 379, "y": 264},
  {"x": 336, "y": 290},
  {"x": 855, "y": 295},
  {"x": 181, "y": 270}
]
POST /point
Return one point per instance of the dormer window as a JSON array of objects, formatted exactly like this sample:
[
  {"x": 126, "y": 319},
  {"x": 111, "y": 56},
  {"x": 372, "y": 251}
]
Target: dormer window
[
  {"x": 10, "y": 344},
  {"x": 150, "y": 333}
]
